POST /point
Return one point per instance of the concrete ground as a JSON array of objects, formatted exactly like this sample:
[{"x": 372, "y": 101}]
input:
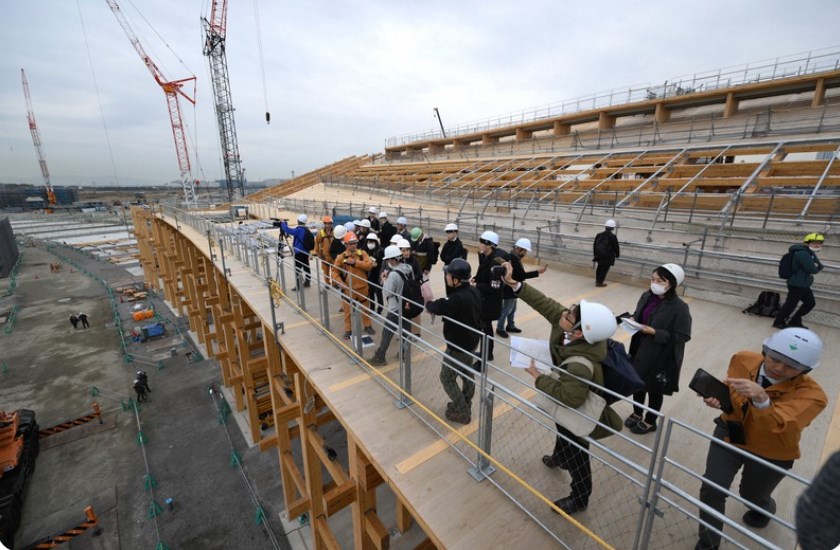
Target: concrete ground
[{"x": 52, "y": 368}]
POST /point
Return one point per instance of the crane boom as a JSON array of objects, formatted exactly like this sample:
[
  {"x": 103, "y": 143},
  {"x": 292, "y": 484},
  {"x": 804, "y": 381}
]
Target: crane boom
[
  {"x": 172, "y": 89},
  {"x": 36, "y": 139},
  {"x": 214, "y": 48}
]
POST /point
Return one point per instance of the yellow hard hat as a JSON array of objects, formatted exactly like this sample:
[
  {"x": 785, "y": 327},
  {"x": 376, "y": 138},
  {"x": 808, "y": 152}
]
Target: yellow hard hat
[{"x": 813, "y": 237}]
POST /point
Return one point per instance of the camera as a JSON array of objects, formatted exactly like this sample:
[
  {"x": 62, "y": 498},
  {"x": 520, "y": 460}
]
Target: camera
[{"x": 497, "y": 272}]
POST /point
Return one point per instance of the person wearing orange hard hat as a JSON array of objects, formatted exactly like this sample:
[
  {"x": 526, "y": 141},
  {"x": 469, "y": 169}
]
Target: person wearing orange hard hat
[
  {"x": 323, "y": 241},
  {"x": 350, "y": 274}
]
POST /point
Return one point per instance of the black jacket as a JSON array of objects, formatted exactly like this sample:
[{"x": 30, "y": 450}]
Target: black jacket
[
  {"x": 463, "y": 305},
  {"x": 426, "y": 253},
  {"x": 336, "y": 248},
  {"x": 415, "y": 267},
  {"x": 491, "y": 305},
  {"x": 605, "y": 248},
  {"x": 451, "y": 250},
  {"x": 519, "y": 274},
  {"x": 377, "y": 254},
  {"x": 386, "y": 233},
  {"x": 374, "y": 223},
  {"x": 663, "y": 352}
]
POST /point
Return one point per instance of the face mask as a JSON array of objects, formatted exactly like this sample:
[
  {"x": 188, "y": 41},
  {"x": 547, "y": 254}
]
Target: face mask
[
  {"x": 371, "y": 246},
  {"x": 815, "y": 247},
  {"x": 658, "y": 289}
]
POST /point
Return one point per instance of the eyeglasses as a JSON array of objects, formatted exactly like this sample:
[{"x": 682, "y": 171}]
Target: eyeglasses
[{"x": 567, "y": 315}]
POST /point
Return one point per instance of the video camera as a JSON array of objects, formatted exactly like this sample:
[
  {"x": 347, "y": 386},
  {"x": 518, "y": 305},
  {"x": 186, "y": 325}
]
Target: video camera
[{"x": 497, "y": 272}]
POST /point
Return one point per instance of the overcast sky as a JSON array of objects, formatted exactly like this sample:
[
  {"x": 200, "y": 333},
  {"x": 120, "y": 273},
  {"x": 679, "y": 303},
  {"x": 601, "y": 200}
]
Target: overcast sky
[{"x": 343, "y": 76}]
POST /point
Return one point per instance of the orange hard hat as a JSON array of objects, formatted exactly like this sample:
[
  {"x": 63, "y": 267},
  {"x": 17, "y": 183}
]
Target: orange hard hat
[
  {"x": 327, "y": 219},
  {"x": 350, "y": 237}
]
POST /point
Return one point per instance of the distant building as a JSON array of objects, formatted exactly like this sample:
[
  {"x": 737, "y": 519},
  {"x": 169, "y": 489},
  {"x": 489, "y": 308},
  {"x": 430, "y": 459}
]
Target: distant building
[
  {"x": 8, "y": 248},
  {"x": 29, "y": 197}
]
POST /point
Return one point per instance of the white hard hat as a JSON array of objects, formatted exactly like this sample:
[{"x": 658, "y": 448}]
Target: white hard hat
[
  {"x": 402, "y": 221},
  {"x": 403, "y": 244},
  {"x": 450, "y": 227},
  {"x": 364, "y": 223},
  {"x": 339, "y": 232},
  {"x": 524, "y": 244},
  {"x": 383, "y": 215},
  {"x": 491, "y": 237},
  {"x": 350, "y": 226},
  {"x": 596, "y": 321},
  {"x": 798, "y": 347},
  {"x": 392, "y": 252},
  {"x": 676, "y": 271},
  {"x": 373, "y": 237},
  {"x": 303, "y": 218},
  {"x": 396, "y": 238},
  {"x": 372, "y": 210},
  {"x": 610, "y": 223}
]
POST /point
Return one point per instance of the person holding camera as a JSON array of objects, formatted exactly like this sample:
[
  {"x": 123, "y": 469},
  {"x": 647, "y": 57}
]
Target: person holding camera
[
  {"x": 350, "y": 273},
  {"x": 488, "y": 281},
  {"x": 302, "y": 247},
  {"x": 773, "y": 401}
]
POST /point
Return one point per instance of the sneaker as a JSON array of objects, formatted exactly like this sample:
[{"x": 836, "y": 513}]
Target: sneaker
[
  {"x": 369, "y": 330},
  {"x": 569, "y": 505},
  {"x": 458, "y": 417},
  {"x": 632, "y": 420},
  {"x": 553, "y": 462},
  {"x": 378, "y": 361},
  {"x": 347, "y": 335},
  {"x": 643, "y": 427},
  {"x": 514, "y": 330},
  {"x": 779, "y": 324},
  {"x": 502, "y": 333},
  {"x": 759, "y": 520}
]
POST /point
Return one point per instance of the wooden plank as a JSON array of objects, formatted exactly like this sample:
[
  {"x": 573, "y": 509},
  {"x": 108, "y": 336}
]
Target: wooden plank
[
  {"x": 376, "y": 531},
  {"x": 324, "y": 537},
  {"x": 403, "y": 517}
]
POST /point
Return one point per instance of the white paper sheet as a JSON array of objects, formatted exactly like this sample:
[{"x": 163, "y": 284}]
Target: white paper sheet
[
  {"x": 630, "y": 326},
  {"x": 522, "y": 349}
]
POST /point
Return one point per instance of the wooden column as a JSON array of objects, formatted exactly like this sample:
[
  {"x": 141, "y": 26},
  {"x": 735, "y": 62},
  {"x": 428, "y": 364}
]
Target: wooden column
[
  {"x": 561, "y": 128},
  {"x": 605, "y": 121},
  {"x": 522, "y": 135},
  {"x": 731, "y": 107},
  {"x": 662, "y": 114},
  {"x": 819, "y": 94}
]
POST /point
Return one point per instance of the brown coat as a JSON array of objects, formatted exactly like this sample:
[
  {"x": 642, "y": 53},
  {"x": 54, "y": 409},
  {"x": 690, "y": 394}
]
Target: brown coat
[
  {"x": 359, "y": 270},
  {"x": 774, "y": 432}
]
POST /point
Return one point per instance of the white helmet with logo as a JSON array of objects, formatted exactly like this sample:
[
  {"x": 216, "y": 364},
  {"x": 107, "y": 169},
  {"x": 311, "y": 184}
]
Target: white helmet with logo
[
  {"x": 490, "y": 236},
  {"x": 596, "y": 321},
  {"x": 676, "y": 271},
  {"x": 392, "y": 252},
  {"x": 524, "y": 244},
  {"x": 798, "y": 347}
]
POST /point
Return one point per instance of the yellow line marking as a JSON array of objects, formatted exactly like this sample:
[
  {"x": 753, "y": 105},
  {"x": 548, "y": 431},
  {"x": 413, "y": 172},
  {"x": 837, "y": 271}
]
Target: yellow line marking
[
  {"x": 360, "y": 378},
  {"x": 441, "y": 445}
]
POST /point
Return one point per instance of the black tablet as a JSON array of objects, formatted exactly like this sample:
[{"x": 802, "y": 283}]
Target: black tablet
[{"x": 708, "y": 386}]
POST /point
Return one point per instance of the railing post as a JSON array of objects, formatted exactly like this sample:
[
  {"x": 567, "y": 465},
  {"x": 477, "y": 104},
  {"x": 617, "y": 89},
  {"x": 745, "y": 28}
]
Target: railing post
[
  {"x": 769, "y": 207},
  {"x": 355, "y": 320},
  {"x": 404, "y": 341},
  {"x": 482, "y": 467}
]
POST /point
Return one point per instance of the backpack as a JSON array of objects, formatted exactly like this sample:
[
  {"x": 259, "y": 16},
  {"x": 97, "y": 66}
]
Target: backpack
[
  {"x": 412, "y": 297},
  {"x": 620, "y": 376},
  {"x": 767, "y": 305},
  {"x": 786, "y": 265},
  {"x": 308, "y": 240},
  {"x": 602, "y": 246}
]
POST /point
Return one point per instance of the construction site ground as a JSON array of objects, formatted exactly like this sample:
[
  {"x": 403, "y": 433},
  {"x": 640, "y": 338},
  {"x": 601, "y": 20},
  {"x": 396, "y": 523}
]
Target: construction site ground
[{"x": 52, "y": 368}]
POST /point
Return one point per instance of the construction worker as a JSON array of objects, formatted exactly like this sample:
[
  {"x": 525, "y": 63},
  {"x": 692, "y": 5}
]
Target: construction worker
[
  {"x": 350, "y": 275},
  {"x": 140, "y": 390},
  {"x": 299, "y": 243},
  {"x": 373, "y": 219},
  {"x": 506, "y": 323},
  {"x": 453, "y": 248},
  {"x": 323, "y": 241},
  {"x": 386, "y": 230},
  {"x": 402, "y": 229},
  {"x": 605, "y": 251},
  {"x": 425, "y": 250}
]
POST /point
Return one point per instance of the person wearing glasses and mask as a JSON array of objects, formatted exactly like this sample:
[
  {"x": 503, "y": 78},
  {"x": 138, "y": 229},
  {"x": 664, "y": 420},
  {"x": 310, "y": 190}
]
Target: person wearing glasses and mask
[{"x": 659, "y": 345}]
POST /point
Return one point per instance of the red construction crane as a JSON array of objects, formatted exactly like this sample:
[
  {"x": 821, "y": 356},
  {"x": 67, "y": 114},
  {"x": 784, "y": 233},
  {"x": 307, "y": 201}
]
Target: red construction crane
[
  {"x": 36, "y": 139},
  {"x": 172, "y": 89},
  {"x": 214, "y": 48}
]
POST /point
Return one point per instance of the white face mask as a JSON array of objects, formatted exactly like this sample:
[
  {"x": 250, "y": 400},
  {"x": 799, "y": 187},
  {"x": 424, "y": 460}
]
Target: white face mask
[
  {"x": 815, "y": 247},
  {"x": 658, "y": 289},
  {"x": 371, "y": 246}
]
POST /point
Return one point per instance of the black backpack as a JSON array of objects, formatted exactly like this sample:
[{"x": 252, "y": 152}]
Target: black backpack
[
  {"x": 767, "y": 305},
  {"x": 412, "y": 297},
  {"x": 786, "y": 265},
  {"x": 620, "y": 376},
  {"x": 603, "y": 248},
  {"x": 308, "y": 240}
]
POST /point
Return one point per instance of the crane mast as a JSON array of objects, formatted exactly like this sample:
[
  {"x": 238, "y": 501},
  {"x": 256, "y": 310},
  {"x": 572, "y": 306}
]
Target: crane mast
[
  {"x": 36, "y": 139},
  {"x": 173, "y": 89},
  {"x": 214, "y": 48}
]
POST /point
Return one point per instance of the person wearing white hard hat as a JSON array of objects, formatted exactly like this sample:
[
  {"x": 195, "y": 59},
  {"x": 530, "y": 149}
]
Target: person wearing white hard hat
[
  {"x": 605, "y": 251},
  {"x": 373, "y": 218},
  {"x": 664, "y": 323},
  {"x": 773, "y": 400},
  {"x": 408, "y": 258},
  {"x": 375, "y": 251},
  {"x": 402, "y": 228},
  {"x": 453, "y": 248},
  {"x": 398, "y": 274},
  {"x": 303, "y": 242},
  {"x": 489, "y": 282},
  {"x": 577, "y": 343},
  {"x": 362, "y": 229},
  {"x": 506, "y": 322},
  {"x": 386, "y": 229}
]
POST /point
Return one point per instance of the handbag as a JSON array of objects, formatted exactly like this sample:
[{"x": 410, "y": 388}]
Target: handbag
[{"x": 581, "y": 421}]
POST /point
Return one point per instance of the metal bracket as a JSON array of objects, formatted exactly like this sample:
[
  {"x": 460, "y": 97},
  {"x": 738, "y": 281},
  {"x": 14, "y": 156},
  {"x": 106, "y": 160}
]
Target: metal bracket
[
  {"x": 484, "y": 469},
  {"x": 280, "y": 326}
]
